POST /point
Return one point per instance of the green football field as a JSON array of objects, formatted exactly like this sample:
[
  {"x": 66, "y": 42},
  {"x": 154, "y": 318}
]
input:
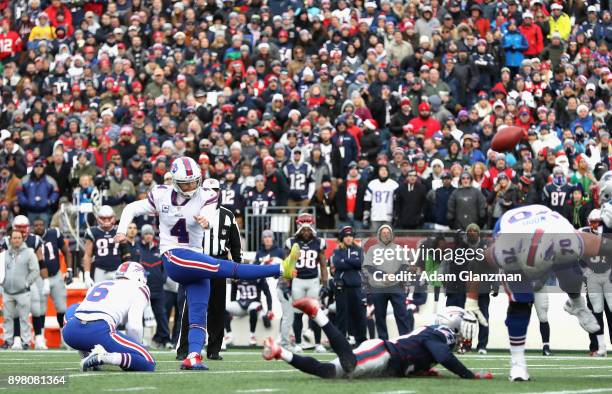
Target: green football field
[{"x": 243, "y": 371}]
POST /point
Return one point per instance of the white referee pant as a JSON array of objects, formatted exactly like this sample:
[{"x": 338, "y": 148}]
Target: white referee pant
[
  {"x": 599, "y": 289},
  {"x": 286, "y": 322},
  {"x": 38, "y": 300},
  {"x": 17, "y": 305},
  {"x": 540, "y": 302},
  {"x": 58, "y": 292},
  {"x": 301, "y": 288}
]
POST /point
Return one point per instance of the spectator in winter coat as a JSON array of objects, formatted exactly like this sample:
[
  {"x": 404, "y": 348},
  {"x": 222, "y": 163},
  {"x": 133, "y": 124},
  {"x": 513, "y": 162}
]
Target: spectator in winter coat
[
  {"x": 438, "y": 200},
  {"x": 493, "y": 172},
  {"x": 554, "y": 50},
  {"x": 466, "y": 204},
  {"x": 577, "y": 208},
  {"x": 425, "y": 125},
  {"x": 533, "y": 34},
  {"x": 400, "y": 120},
  {"x": 410, "y": 200},
  {"x": 559, "y": 22},
  {"x": 38, "y": 193},
  {"x": 485, "y": 62},
  {"x": 9, "y": 184},
  {"x": 514, "y": 44},
  {"x": 349, "y": 198}
]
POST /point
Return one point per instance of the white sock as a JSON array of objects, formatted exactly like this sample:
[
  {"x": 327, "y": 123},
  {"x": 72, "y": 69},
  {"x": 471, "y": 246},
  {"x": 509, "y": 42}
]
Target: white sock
[
  {"x": 601, "y": 343},
  {"x": 545, "y": 344},
  {"x": 321, "y": 318},
  {"x": 517, "y": 354},
  {"x": 110, "y": 358},
  {"x": 286, "y": 355}
]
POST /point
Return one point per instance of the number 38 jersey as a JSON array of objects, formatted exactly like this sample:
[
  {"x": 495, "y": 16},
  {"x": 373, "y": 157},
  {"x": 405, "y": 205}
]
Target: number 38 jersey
[
  {"x": 178, "y": 228},
  {"x": 106, "y": 253},
  {"x": 533, "y": 238},
  {"x": 308, "y": 264}
]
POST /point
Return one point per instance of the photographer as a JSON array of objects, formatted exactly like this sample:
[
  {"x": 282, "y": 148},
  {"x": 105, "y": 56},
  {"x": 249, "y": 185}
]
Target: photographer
[{"x": 350, "y": 306}]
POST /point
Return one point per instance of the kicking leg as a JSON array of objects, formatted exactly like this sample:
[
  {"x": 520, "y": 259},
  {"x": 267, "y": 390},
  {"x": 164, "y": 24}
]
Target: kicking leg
[{"x": 309, "y": 365}]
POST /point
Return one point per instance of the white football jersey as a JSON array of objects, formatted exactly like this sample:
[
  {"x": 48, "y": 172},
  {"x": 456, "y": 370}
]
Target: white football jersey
[
  {"x": 381, "y": 196},
  {"x": 534, "y": 238},
  {"x": 114, "y": 301},
  {"x": 178, "y": 227}
]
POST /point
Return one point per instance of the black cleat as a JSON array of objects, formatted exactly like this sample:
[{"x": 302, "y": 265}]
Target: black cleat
[
  {"x": 546, "y": 351},
  {"x": 214, "y": 356},
  {"x": 181, "y": 356}
]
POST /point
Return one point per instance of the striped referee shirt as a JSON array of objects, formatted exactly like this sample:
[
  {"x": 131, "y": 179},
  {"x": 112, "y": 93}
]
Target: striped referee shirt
[{"x": 223, "y": 239}]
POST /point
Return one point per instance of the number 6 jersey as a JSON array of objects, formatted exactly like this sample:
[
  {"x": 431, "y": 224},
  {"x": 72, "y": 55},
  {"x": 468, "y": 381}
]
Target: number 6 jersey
[{"x": 178, "y": 227}]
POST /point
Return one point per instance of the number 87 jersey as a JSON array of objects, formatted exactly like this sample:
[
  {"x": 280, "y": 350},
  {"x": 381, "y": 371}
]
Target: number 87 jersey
[
  {"x": 178, "y": 228},
  {"x": 534, "y": 240}
]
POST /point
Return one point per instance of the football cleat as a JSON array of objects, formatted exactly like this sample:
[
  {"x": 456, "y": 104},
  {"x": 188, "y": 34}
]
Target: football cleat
[
  {"x": 320, "y": 349},
  {"x": 39, "y": 343},
  {"x": 309, "y": 306},
  {"x": 17, "y": 344},
  {"x": 518, "y": 373},
  {"x": 194, "y": 362},
  {"x": 252, "y": 340},
  {"x": 546, "y": 351},
  {"x": 228, "y": 339},
  {"x": 289, "y": 271},
  {"x": 482, "y": 351},
  {"x": 93, "y": 360},
  {"x": 600, "y": 353},
  {"x": 298, "y": 349},
  {"x": 271, "y": 349},
  {"x": 585, "y": 317}
]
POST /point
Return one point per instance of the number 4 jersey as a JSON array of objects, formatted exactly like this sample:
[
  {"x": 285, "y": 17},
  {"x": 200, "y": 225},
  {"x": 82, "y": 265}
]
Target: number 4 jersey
[
  {"x": 178, "y": 227},
  {"x": 308, "y": 264}
]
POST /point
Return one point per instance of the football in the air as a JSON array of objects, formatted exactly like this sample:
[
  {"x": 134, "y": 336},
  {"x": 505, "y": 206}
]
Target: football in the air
[{"x": 506, "y": 138}]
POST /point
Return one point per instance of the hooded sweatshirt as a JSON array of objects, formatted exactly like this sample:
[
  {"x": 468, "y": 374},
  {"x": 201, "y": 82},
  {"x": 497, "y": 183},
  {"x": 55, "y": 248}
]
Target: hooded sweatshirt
[{"x": 382, "y": 259}]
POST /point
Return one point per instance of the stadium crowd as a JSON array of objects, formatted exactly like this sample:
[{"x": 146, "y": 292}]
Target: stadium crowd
[{"x": 374, "y": 113}]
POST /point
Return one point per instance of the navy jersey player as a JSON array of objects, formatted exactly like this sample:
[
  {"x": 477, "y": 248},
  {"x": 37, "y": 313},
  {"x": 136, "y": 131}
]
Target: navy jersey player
[
  {"x": 311, "y": 272},
  {"x": 299, "y": 176},
  {"x": 230, "y": 196},
  {"x": 102, "y": 253},
  {"x": 53, "y": 244},
  {"x": 556, "y": 194},
  {"x": 414, "y": 354},
  {"x": 41, "y": 287},
  {"x": 185, "y": 210},
  {"x": 246, "y": 299}
]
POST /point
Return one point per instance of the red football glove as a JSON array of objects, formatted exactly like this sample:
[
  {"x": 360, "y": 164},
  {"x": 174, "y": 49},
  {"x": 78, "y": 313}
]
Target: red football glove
[
  {"x": 483, "y": 375},
  {"x": 270, "y": 315}
]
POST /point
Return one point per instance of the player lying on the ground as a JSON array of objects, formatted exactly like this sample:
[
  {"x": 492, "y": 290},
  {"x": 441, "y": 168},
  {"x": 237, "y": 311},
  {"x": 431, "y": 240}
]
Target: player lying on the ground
[
  {"x": 535, "y": 241},
  {"x": 92, "y": 327},
  {"x": 185, "y": 210},
  {"x": 408, "y": 355}
]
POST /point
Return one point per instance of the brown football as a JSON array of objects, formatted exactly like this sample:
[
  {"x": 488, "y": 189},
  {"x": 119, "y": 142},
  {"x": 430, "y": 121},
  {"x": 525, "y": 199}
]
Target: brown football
[{"x": 506, "y": 138}]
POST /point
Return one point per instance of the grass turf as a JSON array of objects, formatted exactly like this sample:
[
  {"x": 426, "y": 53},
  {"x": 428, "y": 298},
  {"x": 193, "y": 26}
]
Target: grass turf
[{"x": 243, "y": 371}]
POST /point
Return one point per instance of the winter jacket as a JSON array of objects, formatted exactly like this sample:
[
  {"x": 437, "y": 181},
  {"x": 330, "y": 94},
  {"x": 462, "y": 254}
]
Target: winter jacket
[
  {"x": 347, "y": 261},
  {"x": 359, "y": 203},
  {"x": 534, "y": 37},
  {"x": 37, "y": 195},
  {"x": 563, "y": 25},
  {"x": 378, "y": 261},
  {"x": 409, "y": 205},
  {"x": 21, "y": 269},
  {"x": 466, "y": 205},
  {"x": 439, "y": 204},
  {"x": 514, "y": 44}
]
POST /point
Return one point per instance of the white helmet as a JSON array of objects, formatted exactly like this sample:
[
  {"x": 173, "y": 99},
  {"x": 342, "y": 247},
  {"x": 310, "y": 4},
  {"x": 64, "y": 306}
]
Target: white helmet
[
  {"x": 21, "y": 223},
  {"x": 185, "y": 170},
  {"x": 106, "y": 217},
  {"x": 605, "y": 188},
  {"x": 132, "y": 271},
  {"x": 451, "y": 317},
  {"x": 595, "y": 216}
]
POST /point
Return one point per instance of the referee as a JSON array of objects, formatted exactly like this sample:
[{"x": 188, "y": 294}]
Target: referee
[{"x": 217, "y": 243}]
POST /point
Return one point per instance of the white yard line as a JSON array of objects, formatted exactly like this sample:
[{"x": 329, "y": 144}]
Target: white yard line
[
  {"x": 258, "y": 391},
  {"x": 139, "y": 374},
  {"x": 131, "y": 389},
  {"x": 586, "y": 391},
  {"x": 394, "y": 392}
]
